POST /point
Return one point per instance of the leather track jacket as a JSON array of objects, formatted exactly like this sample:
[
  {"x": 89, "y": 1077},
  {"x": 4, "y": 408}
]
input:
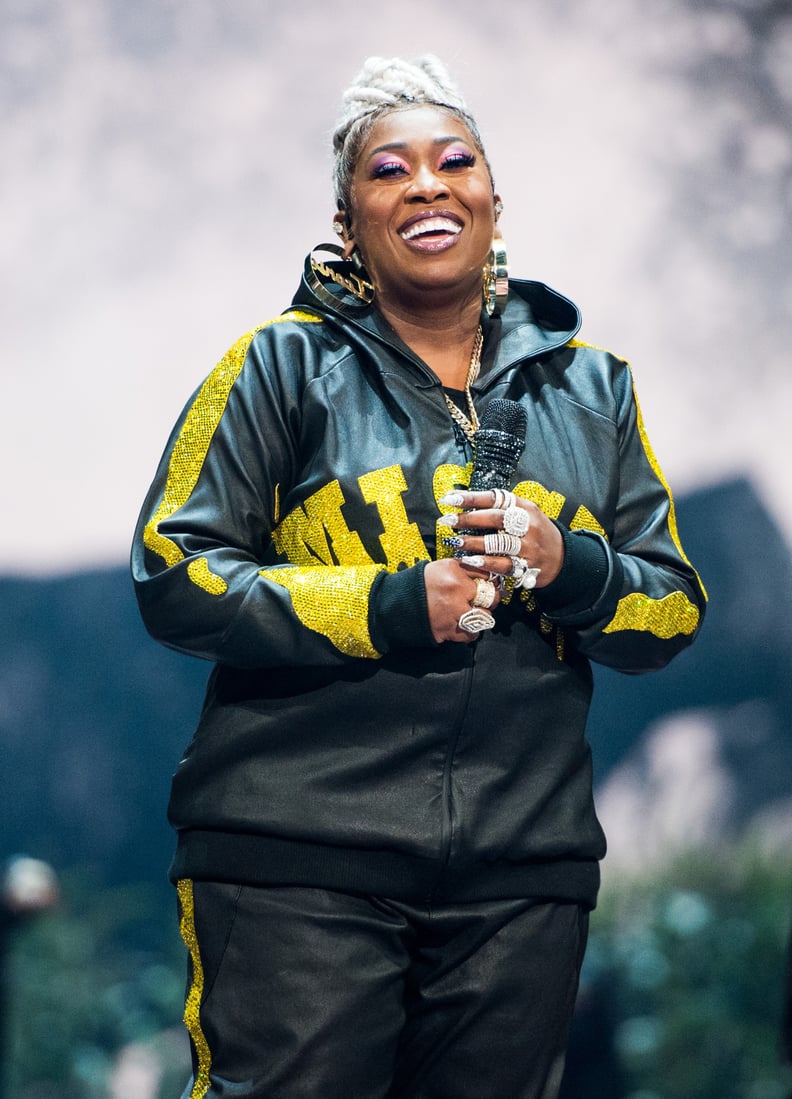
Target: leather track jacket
[{"x": 284, "y": 539}]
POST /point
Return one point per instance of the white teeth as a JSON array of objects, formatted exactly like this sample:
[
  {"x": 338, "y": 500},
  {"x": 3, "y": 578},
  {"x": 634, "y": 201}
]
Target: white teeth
[{"x": 431, "y": 225}]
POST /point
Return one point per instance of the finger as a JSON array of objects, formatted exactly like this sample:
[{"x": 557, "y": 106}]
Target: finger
[
  {"x": 460, "y": 499},
  {"x": 486, "y": 593},
  {"x": 486, "y": 566},
  {"x": 516, "y": 520},
  {"x": 477, "y": 519},
  {"x": 497, "y": 498},
  {"x": 496, "y": 543},
  {"x": 475, "y": 619},
  {"x": 522, "y": 574},
  {"x": 492, "y": 544}
]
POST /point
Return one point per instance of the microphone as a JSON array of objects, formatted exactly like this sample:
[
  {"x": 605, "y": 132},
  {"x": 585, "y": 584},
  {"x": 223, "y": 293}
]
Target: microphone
[{"x": 499, "y": 442}]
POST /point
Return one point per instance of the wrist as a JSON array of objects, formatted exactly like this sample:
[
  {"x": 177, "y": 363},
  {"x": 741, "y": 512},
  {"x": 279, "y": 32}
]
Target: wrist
[{"x": 398, "y": 611}]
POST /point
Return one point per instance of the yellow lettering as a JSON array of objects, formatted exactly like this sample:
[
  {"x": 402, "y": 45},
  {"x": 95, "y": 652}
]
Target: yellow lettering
[
  {"x": 446, "y": 479},
  {"x": 317, "y": 533},
  {"x": 548, "y": 502},
  {"x": 307, "y": 534},
  {"x": 401, "y": 540}
]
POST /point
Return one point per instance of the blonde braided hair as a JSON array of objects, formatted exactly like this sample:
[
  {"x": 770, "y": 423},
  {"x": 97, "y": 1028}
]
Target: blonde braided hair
[{"x": 383, "y": 85}]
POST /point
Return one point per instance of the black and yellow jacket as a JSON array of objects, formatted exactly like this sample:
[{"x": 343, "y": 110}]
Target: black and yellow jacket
[{"x": 284, "y": 539}]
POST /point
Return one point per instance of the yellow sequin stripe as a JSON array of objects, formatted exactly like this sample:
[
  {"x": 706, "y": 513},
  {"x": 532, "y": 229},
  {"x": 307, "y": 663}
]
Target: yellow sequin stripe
[
  {"x": 653, "y": 462},
  {"x": 667, "y": 617},
  {"x": 650, "y": 455},
  {"x": 591, "y": 347},
  {"x": 584, "y": 520},
  {"x": 333, "y": 601},
  {"x": 674, "y": 613},
  {"x": 192, "y": 1006},
  {"x": 189, "y": 453}
]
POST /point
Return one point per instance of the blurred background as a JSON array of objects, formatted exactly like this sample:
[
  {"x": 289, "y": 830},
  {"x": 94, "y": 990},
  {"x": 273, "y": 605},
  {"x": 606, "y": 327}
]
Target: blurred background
[{"x": 165, "y": 170}]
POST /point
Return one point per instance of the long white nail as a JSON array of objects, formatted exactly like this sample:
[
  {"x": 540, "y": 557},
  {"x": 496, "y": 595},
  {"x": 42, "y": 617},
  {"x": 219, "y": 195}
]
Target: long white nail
[
  {"x": 452, "y": 500},
  {"x": 448, "y": 520}
]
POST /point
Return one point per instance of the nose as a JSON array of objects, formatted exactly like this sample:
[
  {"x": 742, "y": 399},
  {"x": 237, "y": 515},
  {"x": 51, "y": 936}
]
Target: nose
[{"x": 427, "y": 185}]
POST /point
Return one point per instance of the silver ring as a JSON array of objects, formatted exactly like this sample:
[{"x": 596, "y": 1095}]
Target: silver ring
[
  {"x": 501, "y": 544},
  {"x": 485, "y": 593},
  {"x": 522, "y": 573},
  {"x": 516, "y": 521},
  {"x": 502, "y": 498},
  {"x": 475, "y": 620},
  {"x": 519, "y": 565}
]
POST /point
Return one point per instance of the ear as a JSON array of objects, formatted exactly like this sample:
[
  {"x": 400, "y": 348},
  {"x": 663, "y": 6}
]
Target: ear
[
  {"x": 343, "y": 229},
  {"x": 341, "y": 223}
]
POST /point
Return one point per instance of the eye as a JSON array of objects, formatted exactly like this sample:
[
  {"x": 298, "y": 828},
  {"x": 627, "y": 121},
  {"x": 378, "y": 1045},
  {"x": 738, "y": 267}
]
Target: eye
[
  {"x": 388, "y": 169},
  {"x": 458, "y": 160}
]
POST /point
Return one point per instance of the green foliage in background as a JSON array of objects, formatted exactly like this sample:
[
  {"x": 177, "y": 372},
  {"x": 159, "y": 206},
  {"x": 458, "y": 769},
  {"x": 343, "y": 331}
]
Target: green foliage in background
[
  {"x": 692, "y": 961},
  {"x": 695, "y": 961},
  {"x": 85, "y": 981}
]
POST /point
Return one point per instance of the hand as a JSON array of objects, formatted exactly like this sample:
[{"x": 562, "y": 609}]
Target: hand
[
  {"x": 536, "y": 554},
  {"x": 451, "y": 589}
]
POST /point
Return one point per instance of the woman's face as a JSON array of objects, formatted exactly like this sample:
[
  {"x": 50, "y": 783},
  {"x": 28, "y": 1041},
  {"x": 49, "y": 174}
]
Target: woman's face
[{"x": 422, "y": 208}]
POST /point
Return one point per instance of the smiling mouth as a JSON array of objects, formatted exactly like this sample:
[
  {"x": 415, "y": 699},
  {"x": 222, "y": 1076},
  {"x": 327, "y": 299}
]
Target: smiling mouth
[{"x": 431, "y": 228}]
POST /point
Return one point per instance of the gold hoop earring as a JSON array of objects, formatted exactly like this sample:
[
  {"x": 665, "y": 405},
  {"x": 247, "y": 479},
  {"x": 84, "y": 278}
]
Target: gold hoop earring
[
  {"x": 496, "y": 279},
  {"x": 360, "y": 269},
  {"x": 356, "y": 284}
]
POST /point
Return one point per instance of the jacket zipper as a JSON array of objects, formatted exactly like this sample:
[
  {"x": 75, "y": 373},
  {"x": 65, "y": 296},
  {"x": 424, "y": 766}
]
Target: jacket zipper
[{"x": 447, "y": 806}]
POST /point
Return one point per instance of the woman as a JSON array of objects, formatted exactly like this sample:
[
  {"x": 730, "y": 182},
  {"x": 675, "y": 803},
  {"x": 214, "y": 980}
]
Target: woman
[{"x": 387, "y": 847}]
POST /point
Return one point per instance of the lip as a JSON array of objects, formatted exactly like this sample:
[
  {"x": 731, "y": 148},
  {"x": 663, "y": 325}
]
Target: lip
[
  {"x": 431, "y": 244},
  {"x": 428, "y": 215}
]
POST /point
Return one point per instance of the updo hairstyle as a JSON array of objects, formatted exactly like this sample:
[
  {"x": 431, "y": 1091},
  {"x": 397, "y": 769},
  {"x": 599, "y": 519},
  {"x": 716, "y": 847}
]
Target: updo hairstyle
[{"x": 383, "y": 85}]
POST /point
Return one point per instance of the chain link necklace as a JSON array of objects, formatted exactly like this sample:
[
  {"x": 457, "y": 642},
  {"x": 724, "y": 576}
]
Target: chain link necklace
[{"x": 470, "y": 423}]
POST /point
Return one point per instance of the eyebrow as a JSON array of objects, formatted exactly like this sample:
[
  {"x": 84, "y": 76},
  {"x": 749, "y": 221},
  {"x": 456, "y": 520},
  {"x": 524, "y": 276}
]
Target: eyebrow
[{"x": 399, "y": 145}]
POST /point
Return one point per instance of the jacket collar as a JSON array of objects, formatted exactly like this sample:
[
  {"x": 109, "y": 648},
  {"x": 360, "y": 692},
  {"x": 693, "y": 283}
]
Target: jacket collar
[{"x": 536, "y": 320}]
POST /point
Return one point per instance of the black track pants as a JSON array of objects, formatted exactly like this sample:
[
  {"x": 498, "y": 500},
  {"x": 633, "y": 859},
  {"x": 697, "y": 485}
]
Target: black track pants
[{"x": 299, "y": 993}]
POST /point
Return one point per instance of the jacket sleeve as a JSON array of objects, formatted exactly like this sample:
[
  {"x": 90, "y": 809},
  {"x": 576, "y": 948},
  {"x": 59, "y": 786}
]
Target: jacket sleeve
[
  {"x": 650, "y": 601},
  {"x": 206, "y": 568}
]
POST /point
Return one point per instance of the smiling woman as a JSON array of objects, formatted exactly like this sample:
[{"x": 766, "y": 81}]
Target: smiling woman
[
  {"x": 421, "y": 214},
  {"x": 387, "y": 845}
]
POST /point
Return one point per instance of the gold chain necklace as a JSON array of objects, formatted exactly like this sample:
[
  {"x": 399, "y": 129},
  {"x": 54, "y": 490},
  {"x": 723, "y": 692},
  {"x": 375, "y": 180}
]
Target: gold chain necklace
[{"x": 469, "y": 423}]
